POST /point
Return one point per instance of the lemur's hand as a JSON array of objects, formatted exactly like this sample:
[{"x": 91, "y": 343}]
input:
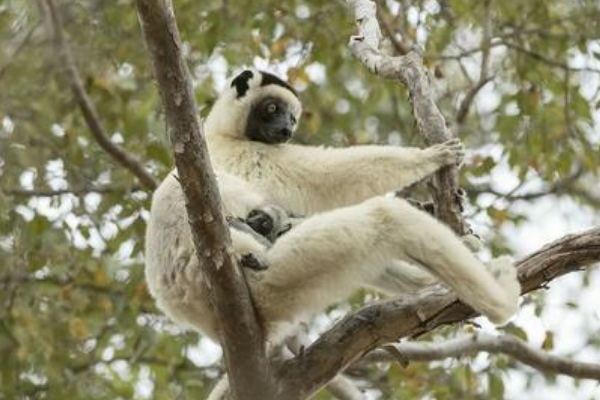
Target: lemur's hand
[
  {"x": 250, "y": 261},
  {"x": 451, "y": 152}
]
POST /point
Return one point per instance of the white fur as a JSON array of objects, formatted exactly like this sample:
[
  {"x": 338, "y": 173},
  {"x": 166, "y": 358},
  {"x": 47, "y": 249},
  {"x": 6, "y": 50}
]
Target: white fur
[
  {"x": 321, "y": 261},
  {"x": 350, "y": 238},
  {"x": 221, "y": 389},
  {"x": 173, "y": 272},
  {"x": 306, "y": 180}
]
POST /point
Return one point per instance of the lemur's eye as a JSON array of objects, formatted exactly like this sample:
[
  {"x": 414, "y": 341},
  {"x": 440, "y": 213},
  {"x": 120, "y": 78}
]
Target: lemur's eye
[
  {"x": 293, "y": 119},
  {"x": 271, "y": 108}
]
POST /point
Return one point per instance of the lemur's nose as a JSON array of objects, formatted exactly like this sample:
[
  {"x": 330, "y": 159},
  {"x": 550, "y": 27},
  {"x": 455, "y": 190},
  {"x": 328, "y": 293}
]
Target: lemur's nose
[{"x": 285, "y": 132}]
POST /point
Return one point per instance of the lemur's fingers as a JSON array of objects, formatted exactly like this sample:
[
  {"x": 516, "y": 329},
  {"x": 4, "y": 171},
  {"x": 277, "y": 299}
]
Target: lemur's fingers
[
  {"x": 450, "y": 152},
  {"x": 473, "y": 242},
  {"x": 461, "y": 199},
  {"x": 505, "y": 274},
  {"x": 250, "y": 261}
]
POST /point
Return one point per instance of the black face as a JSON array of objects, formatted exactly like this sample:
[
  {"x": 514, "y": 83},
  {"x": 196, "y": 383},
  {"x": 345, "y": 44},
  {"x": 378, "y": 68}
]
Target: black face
[
  {"x": 261, "y": 223},
  {"x": 270, "y": 121},
  {"x": 269, "y": 224}
]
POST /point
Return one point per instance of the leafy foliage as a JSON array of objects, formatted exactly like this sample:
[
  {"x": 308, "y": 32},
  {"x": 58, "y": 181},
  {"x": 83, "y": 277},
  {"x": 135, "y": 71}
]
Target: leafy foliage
[{"x": 76, "y": 320}]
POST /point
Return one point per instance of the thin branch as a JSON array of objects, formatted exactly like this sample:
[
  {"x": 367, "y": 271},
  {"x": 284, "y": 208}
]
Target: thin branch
[
  {"x": 13, "y": 57},
  {"x": 380, "y": 324},
  {"x": 90, "y": 115},
  {"x": 465, "y": 105},
  {"x": 484, "y": 78},
  {"x": 25, "y": 279},
  {"x": 400, "y": 47},
  {"x": 409, "y": 70},
  {"x": 74, "y": 191},
  {"x": 482, "y": 342},
  {"x": 547, "y": 60},
  {"x": 557, "y": 187},
  {"x": 240, "y": 332}
]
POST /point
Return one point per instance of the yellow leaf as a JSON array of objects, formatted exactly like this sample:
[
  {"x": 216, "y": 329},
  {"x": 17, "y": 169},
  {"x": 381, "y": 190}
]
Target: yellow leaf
[
  {"x": 298, "y": 76},
  {"x": 78, "y": 329},
  {"x": 65, "y": 292},
  {"x": 100, "y": 277},
  {"x": 106, "y": 304},
  {"x": 497, "y": 215},
  {"x": 22, "y": 352},
  {"x": 548, "y": 343},
  {"x": 141, "y": 293},
  {"x": 103, "y": 82},
  {"x": 278, "y": 48}
]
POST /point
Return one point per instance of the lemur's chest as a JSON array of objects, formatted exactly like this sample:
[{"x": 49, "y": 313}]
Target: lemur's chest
[{"x": 249, "y": 163}]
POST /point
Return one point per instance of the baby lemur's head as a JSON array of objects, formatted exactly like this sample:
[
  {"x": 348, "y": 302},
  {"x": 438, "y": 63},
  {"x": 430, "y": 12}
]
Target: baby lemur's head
[
  {"x": 257, "y": 106},
  {"x": 269, "y": 221}
]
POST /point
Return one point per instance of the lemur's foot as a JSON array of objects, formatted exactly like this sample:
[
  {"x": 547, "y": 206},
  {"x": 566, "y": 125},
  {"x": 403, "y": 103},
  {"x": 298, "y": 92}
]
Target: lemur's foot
[
  {"x": 503, "y": 269},
  {"x": 473, "y": 242}
]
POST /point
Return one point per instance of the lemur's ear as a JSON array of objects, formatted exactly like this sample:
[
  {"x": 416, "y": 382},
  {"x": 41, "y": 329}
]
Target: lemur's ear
[
  {"x": 270, "y": 79},
  {"x": 240, "y": 82}
]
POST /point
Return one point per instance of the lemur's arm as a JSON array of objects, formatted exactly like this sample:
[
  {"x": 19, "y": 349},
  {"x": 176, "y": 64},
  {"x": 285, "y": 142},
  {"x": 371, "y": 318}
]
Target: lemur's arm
[{"x": 325, "y": 178}]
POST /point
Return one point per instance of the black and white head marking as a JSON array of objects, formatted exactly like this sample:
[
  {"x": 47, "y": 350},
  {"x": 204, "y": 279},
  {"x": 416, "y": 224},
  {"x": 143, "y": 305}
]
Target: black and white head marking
[
  {"x": 240, "y": 82},
  {"x": 256, "y": 106},
  {"x": 270, "y": 79}
]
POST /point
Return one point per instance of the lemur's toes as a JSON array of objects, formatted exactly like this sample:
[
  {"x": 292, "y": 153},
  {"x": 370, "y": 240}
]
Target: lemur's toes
[
  {"x": 461, "y": 199},
  {"x": 505, "y": 273}
]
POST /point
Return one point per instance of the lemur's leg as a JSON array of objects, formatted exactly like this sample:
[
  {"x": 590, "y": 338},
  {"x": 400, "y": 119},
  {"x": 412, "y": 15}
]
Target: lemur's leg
[
  {"x": 400, "y": 277},
  {"x": 330, "y": 255}
]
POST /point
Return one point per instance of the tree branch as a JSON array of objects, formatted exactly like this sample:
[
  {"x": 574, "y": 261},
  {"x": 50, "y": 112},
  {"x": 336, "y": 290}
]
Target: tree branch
[
  {"x": 19, "y": 47},
  {"x": 90, "y": 115},
  {"x": 240, "y": 332},
  {"x": 341, "y": 387},
  {"x": 74, "y": 191},
  {"x": 379, "y": 324},
  {"x": 483, "y": 342},
  {"x": 558, "y": 187},
  {"x": 484, "y": 78},
  {"x": 465, "y": 104},
  {"x": 409, "y": 70},
  {"x": 552, "y": 62}
]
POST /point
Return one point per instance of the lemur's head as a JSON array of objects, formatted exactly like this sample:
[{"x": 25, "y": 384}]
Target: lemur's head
[
  {"x": 269, "y": 221},
  {"x": 257, "y": 106}
]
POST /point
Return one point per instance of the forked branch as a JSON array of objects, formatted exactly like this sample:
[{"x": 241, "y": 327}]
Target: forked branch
[
  {"x": 85, "y": 104},
  {"x": 409, "y": 71}
]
